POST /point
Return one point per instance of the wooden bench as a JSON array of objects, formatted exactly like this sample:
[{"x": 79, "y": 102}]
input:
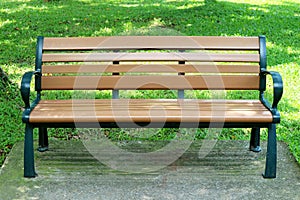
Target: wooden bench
[{"x": 173, "y": 63}]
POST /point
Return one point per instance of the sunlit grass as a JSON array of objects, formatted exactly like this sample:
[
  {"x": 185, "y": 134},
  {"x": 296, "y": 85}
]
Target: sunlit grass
[{"x": 22, "y": 21}]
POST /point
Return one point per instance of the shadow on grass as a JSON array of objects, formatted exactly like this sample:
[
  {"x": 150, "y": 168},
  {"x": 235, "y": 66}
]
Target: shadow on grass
[{"x": 22, "y": 22}]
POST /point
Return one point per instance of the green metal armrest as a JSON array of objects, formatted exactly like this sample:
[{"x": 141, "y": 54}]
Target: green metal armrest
[
  {"x": 25, "y": 93},
  {"x": 277, "y": 94}
]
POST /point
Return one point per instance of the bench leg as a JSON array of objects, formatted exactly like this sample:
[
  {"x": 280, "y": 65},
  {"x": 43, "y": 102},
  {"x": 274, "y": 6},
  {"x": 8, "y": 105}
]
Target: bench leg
[
  {"x": 43, "y": 139},
  {"x": 29, "y": 170},
  {"x": 255, "y": 140},
  {"x": 271, "y": 158}
]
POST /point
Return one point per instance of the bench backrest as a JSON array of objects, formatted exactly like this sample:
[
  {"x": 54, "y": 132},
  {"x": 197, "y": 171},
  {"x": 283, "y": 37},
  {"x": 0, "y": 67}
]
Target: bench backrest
[{"x": 151, "y": 63}]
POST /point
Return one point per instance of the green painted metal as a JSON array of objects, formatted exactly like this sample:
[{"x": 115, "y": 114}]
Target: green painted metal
[
  {"x": 277, "y": 94},
  {"x": 271, "y": 158},
  {"x": 255, "y": 140},
  {"x": 29, "y": 169}
]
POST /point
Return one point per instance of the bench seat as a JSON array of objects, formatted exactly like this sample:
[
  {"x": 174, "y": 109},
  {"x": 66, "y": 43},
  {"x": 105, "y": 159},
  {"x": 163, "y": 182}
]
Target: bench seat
[{"x": 150, "y": 110}]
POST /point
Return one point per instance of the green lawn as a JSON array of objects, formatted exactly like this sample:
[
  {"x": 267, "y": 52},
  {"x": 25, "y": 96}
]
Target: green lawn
[{"x": 22, "y": 21}]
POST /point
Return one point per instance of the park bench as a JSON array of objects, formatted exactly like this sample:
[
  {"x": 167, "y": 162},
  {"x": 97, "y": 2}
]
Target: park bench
[{"x": 178, "y": 64}]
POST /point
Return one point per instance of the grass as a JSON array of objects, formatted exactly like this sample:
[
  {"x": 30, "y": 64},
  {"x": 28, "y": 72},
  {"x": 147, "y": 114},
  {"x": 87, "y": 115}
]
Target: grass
[{"x": 22, "y": 21}]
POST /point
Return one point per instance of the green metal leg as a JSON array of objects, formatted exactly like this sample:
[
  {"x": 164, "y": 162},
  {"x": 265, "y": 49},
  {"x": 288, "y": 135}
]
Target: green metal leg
[
  {"x": 29, "y": 170},
  {"x": 271, "y": 159},
  {"x": 255, "y": 140},
  {"x": 43, "y": 139}
]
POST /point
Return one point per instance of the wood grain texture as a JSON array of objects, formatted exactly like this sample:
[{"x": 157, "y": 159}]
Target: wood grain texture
[
  {"x": 151, "y": 68},
  {"x": 153, "y": 42},
  {"x": 125, "y": 110},
  {"x": 154, "y": 82},
  {"x": 127, "y": 57}
]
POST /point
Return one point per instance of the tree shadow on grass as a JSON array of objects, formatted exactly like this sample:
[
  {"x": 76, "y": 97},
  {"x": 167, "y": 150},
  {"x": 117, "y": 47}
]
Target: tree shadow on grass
[
  {"x": 25, "y": 21},
  {"x": 22, "y": 22},
  {"x": 89, "y": 18}
]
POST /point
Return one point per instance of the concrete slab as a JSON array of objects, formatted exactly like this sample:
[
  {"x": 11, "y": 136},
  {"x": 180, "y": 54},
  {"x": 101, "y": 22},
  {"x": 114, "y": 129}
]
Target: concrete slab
[{"x": 229, "y": 171}]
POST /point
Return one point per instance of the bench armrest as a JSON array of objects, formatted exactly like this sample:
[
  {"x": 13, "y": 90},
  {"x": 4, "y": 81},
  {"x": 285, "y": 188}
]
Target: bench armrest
[
  {"x": 25, "y": 88},
  {"x": 277, "y": 93},
  {"x": 25, "y": 92}
]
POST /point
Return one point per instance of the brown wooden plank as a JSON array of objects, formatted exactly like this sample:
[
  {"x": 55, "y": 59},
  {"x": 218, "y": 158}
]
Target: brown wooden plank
[
  {"x": 248, "y": 102},
  {"x": 188, "y": 57},
  {"x": 247, "y": 82},
  {"x": 150, "y": 111},
  {"x": 128, "y": 105},
  {"x": 152, "y": 42},
  {"x": 125, "y": 108},
  {"x": 151, "y": 68},
  {"x": 139, "y": 103}
]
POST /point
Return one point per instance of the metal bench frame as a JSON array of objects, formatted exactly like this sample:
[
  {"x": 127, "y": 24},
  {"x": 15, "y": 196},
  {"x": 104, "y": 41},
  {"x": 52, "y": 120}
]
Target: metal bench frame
[{"x": 271, "y": 157}]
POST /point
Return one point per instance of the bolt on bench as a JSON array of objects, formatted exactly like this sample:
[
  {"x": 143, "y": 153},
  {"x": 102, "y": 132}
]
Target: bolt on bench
[{"x": 176, "y": 63}]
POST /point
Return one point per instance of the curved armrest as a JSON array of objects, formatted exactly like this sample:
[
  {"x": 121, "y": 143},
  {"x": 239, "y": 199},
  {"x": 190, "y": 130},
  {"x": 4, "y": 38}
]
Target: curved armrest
[
  {"x": 277, "y": 87},
  {"x": 277, "y": 92},
  {"x": 25, "y": 87}
]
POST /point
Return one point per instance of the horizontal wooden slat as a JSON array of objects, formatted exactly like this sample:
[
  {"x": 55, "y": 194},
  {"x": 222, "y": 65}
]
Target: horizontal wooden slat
[
  {"x": 107, "y": 57},
  {"x": 247, "y": 82},
  {"x": 151, "y": 68},
  {"x": 228, "y": 102},
  {"x": 153, "y": 42},
  {"x": 122, "y": 110}
]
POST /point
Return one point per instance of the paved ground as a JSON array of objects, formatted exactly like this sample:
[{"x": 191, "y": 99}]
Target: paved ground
[{"x": 229, "y": 171}]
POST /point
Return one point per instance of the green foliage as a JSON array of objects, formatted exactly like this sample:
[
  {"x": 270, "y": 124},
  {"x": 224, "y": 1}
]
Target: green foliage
[
  {"x": 22, "y": 21},
  {"x": 11, "y": 128}
]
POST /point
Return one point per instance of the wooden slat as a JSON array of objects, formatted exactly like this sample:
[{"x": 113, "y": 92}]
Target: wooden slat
[
  {"x": 151, "y": 101},
  {"x": 118, "y": 110},
  {"x": 247, "y": 82},
  {"x": 126, "y": 104},
  {"x": 152, "y": 42},
  {"x": 189, "y": 57},
  {"x": 151, "y": 68}
]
